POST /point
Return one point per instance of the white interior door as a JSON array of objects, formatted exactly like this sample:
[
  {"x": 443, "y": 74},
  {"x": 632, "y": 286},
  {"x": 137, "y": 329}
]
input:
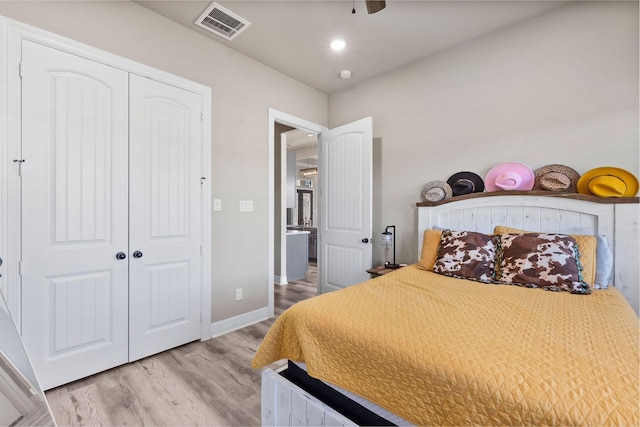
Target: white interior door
[
  {"x": 75, "y": 214},
  {"x": 345, "y": 161},
  {"x": 165, "y": 223}
]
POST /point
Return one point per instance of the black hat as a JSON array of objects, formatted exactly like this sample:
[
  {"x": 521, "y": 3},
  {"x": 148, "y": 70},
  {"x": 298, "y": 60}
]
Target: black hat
[{"x": 465, "y": 183}]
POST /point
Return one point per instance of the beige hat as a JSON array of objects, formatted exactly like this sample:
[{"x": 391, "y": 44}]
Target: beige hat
[
  {"x": 557, "y": 178},
  {"x": 435, "y": 191}
]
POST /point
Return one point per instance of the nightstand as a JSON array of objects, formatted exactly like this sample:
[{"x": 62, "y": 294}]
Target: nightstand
[{"x": 380, "y": 270}]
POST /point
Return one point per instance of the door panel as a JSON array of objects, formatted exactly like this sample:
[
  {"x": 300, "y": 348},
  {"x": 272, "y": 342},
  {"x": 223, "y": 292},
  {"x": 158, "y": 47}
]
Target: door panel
[
  {"x": 75, "y": 214},
  {"x": 165, "y": 217},
  {"x": 76, "y": 321},
  {"x": 345, "y": 182}
]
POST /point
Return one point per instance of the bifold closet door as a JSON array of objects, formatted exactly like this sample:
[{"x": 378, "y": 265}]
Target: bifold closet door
[
  {"x": 74, "y": 214},
  {"x": 111, "y": 222},
  {"x": 165, "y": 217}
]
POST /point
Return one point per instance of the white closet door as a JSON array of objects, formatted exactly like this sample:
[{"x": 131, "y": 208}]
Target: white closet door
[
  {"x": 165, "y": 200},
  {"x": 75, "y": 214}
]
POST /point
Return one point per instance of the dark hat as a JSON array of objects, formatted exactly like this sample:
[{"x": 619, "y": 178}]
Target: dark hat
[
  {"x": 465, "y": 183},
  {"x": 557, "y": 178},
  {"x": 435, "y": 191}
]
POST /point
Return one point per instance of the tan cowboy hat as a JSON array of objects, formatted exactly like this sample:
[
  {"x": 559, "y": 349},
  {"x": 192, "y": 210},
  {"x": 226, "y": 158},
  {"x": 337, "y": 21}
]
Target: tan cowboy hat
[
  {"x": 557, "y": 178},
  {"x": 608, "y": 182},
  {"x": 435, "y": 191}
]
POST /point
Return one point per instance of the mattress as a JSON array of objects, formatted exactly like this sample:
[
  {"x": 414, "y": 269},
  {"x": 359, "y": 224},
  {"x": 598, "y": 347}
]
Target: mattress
[{"x": 438, "y": 350}]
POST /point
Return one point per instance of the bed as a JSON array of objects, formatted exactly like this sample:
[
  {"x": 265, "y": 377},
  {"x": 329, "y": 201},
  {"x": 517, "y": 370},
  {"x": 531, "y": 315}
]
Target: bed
[{"x": 430, "y": 349}]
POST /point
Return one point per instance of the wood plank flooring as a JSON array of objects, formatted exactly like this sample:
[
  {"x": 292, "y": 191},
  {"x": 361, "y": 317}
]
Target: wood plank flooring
[{"x": 206, "y": 383}]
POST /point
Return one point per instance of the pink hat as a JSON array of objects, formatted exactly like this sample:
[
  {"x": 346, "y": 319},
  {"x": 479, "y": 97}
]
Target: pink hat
[{"x": 510, "y": 176}]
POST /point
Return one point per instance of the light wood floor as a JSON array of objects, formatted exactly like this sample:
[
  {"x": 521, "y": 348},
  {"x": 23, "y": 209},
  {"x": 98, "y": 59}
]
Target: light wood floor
[{"x": 202, "y": 383}]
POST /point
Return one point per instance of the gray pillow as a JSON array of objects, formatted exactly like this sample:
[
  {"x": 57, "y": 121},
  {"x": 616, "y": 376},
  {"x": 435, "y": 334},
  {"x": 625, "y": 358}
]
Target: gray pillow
[{"x": 604, "y": 263}]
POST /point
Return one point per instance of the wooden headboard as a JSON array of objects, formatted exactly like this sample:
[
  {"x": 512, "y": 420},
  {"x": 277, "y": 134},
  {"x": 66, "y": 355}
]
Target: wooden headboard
[{"x": 617, "y": 219}]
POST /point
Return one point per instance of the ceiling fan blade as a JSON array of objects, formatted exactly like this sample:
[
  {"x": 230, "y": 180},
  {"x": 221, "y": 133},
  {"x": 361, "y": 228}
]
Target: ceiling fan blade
[{"x": 374, "y": 6}]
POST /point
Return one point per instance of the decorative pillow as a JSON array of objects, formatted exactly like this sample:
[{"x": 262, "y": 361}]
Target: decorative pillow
[
  {"x": 540, "y": 260},
  {"x": 466, "y": 255},
  {"x": 604, "y": 263},
  {"x": 429, "y": 251},
  {"x": 586, "y": 245}
]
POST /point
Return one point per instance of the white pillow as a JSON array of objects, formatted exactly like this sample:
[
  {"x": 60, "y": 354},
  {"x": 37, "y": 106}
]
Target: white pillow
[{"x": 604, "y": 263}]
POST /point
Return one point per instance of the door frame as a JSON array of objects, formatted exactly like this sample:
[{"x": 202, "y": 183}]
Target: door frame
[
  {"x": 276, "y": 116},
  {"x": 11, "y": 35}
]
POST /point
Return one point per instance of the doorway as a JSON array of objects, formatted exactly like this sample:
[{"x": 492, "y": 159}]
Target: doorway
[
  {"x": 278, "y": 223},
  {"x": 296, "y": 193},
  {"x": 345, "y": 220}
]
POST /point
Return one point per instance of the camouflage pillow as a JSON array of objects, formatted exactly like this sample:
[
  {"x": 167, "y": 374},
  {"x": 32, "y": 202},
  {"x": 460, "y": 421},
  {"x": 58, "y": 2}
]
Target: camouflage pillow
[
  {"x": 540, "y": 260},
  {"x": 466, "y": 255}
]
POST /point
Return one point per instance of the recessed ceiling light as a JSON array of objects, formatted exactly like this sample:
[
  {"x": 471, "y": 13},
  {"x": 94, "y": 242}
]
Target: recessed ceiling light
[
  {"x": 345, "y": 74},
  {"x": 338, "y": 44}
]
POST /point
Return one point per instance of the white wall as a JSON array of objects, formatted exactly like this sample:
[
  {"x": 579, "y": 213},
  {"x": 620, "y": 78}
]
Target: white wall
[
  {"x": 559, "y": 88},
  {"x": 242, "y": 92}
]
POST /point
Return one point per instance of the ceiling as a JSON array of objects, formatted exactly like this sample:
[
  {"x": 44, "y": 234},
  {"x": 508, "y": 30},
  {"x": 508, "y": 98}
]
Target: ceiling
[
  {"x": 297, "y": 139},
  {"x": 293, "y": 36}
]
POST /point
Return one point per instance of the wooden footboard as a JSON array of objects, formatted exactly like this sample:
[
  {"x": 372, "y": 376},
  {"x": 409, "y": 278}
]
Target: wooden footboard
[{"x": 285, "y": 404}]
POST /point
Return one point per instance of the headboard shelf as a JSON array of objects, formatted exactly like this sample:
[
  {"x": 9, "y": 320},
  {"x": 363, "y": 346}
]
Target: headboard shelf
[{"x": 575, "y": 196}]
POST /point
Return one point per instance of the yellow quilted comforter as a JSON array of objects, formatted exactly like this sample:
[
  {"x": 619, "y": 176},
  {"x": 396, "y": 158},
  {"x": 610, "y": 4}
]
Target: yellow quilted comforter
[{"x": 442, "y": 351}]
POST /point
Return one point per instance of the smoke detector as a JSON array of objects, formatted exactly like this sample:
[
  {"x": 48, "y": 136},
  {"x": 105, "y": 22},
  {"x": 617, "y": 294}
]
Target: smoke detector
[{"x": 219, "y": 20}]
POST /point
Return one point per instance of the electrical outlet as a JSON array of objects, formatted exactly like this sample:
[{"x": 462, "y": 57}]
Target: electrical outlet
[{"x": 238, "y": 294}]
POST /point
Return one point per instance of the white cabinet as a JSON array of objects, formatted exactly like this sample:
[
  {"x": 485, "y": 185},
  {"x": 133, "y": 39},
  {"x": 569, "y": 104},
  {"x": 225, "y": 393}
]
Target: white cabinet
[{"x": 297, "y": 254}]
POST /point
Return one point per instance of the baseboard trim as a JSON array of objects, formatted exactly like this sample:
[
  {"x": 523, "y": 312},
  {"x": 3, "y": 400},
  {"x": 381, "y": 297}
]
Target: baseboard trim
[
  {"x": 240, "y": 321},
  {"x": 280, "y": 280}
]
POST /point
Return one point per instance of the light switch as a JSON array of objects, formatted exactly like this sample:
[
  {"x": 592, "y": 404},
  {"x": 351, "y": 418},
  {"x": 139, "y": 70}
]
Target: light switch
[
  {"x": 217, "y": 204},
  {"x": 246, "y": 205}
]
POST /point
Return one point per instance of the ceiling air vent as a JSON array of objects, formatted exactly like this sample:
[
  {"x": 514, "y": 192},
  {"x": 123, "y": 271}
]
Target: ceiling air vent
[{"x": 221, "y": 21}]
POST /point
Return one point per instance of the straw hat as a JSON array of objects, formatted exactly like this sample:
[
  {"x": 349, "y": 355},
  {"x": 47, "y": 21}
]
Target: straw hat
[
  {"x": 465, "y": 183},
  {"x": 557, "y": 178},
  {"x": 608, "y": 182},
  {"x": 509, "y": 176},
  {"x": 435, "y": 191}
]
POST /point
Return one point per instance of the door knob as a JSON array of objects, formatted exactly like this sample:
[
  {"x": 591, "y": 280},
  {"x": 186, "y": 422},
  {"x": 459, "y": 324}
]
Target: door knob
[
  {"x": 121, "y": 255},
  {"x": 365, "y": 240},
  {"x": 137, "y": 254}
]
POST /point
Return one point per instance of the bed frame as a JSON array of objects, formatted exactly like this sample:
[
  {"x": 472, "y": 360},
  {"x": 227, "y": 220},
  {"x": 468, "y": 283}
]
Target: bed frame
[{"x": 284, "y": 403}]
